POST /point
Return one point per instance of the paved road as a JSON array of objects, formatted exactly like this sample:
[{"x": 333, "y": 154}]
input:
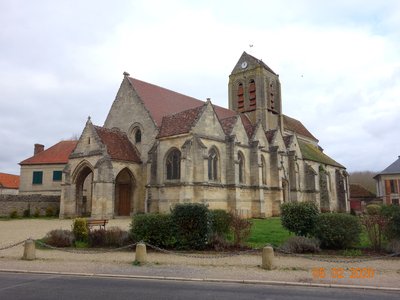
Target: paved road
[{"x": 38, "y": 286}]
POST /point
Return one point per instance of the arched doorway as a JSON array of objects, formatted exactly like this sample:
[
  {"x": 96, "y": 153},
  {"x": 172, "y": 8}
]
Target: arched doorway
[
  {"x": 124, "y": 188},
  {"x": 84, "y": 191}
]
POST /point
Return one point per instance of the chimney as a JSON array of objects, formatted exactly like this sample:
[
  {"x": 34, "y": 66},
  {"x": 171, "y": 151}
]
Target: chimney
[{"x": 38, "y": 148}]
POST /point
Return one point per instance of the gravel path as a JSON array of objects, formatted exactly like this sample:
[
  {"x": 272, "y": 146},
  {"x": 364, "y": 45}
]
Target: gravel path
[{"x": 238, "y": 267}]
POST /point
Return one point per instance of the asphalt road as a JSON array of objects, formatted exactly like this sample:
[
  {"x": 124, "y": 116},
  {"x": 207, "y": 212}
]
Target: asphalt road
[{"x": 39, "y": 286}]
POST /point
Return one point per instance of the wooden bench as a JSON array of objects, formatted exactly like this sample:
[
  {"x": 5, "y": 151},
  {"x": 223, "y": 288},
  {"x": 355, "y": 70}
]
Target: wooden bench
[{"x": 97, "y": 222}]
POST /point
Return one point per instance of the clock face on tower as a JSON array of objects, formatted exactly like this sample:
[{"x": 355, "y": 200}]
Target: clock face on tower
[{"x": 244, "y": 65}]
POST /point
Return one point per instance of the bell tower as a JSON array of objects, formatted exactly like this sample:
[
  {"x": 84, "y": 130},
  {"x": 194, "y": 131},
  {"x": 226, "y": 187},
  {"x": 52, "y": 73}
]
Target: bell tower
[{"x": 255, "y": 90}]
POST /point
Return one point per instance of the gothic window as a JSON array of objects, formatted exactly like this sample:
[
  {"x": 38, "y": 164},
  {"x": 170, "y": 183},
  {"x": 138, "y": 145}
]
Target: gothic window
[
  {"x": 241, "y": 167},
  {"x": 240, "y": 97},
  {"x": 138, "y": 136},
  {"x": 173, "y": 164},
  {"x": 213, "y": 165},
  {"x": 252, "y": 94},
  {"x": 263, "y": 170}
]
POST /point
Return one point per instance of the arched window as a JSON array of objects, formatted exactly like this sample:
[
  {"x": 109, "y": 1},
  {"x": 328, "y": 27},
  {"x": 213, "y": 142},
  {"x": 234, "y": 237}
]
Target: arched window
[
  {"x": 272, "y": 95},
  {"x": 213, "y": 165},
  {"x": 241, "y": 167},
  {"x": 240, "y": 97},
  {"x": 173, "y": 164},
  {"x": 252, "y": 94},
  {"x": 138, "y": 136},
  {"x": 263, "y": 170}
]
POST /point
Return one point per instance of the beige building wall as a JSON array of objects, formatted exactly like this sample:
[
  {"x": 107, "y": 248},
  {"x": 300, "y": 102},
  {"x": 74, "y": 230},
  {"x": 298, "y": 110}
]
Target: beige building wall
[{"x": 48, "y": 185}]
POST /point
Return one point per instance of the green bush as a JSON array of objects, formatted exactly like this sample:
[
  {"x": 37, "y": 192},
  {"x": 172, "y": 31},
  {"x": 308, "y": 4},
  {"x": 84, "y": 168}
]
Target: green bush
[
  {"x": 192, "y": 225},
  {"x": 80, "y": 229},
  {"x": 392, "y": 213},
  {"x": 59, "y": 238},
  {"x": 337, "y": 230},
  {"x": 155, "y": 229},
  {"x": 301, "y": 244},
  {"x": 299, "y": 217},
  {"x": 49, "y": 211},
  {"x": 373, "y": 209},
  {"x": 14, "y": 214},
  {"x": 220, "y": 222}
]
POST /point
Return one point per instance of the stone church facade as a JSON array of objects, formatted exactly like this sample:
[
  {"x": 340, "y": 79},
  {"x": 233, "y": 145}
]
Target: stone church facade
[{"x": 158, "y": 148}]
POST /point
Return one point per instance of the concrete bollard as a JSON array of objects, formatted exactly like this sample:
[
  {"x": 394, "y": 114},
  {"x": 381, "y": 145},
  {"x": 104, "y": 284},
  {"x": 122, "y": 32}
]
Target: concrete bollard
[
  {"x": 29, "y": 250},
  {"x": 141, "y": 253},
  {"x": 267, "y": 258}
]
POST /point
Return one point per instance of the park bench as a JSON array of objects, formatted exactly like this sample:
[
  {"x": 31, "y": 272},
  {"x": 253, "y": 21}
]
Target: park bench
[{"x": 97, "y": 222}]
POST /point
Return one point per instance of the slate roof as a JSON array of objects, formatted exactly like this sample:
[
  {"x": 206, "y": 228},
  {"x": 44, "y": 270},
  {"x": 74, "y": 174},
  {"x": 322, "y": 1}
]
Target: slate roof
[
  {"x": 161, "y": 102},
  {"x": 186, "y": 120},
  {"x": 118, "y": 145},
  {"x": 358, "y": 191},
  {"x": 394, "y": 168},
  {"x": 56, "y": 154},
  {"x": 313, "y": 153},
  {"x": 296, "y": 126},
  {"x": 9, "y": 181}
]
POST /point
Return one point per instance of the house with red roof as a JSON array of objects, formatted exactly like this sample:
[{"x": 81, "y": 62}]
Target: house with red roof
[
  {"x": 388, "y": 183},
  {"x": 9, "y": 184},
  {"x": 42, "y": 173},
  {"x": 158, "y": 148}
]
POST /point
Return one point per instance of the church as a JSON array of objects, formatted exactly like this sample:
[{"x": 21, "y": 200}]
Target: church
[{"x": 158, "y": 148}]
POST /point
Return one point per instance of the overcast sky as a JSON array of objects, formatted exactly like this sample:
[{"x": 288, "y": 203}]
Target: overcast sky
[{"x": 338, "y": 61}]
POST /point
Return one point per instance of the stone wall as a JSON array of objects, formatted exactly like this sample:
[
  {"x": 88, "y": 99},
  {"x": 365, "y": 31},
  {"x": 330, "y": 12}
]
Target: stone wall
[{"x": 35, "y": 203}]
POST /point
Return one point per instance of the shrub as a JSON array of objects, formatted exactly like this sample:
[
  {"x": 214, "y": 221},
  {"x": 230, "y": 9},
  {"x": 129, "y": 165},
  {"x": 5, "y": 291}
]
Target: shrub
[
  {"x": 192, "y": 226},
  {"x": 97, "y": 238},
  {"x": 241, "y": 229},
  {"x": 373, "y": 209},
  {"x": 299, "y": 217},
  {"x": 14, "y": 214},
  {"x": 155, "y": 229},
  {"x": 27, "y": 213},
  {"x": 375, "y": 225},
  {"x": 116, "y": 237},
  {"x": 220, "y": 222},
  {"x": 393, "y": 246},
  {"x": 301, "y": 244},
  {"x": 59, "y": 238},
  {"x": 49, "y": 211},
  {"x": 37, "y": 213},
  {"x": 337, "y": 230},
  {"x": 392, "y": 213},
  {"x": 80, "y": 229}
]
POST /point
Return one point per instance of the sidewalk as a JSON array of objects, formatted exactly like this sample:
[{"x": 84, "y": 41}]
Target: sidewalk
[{"x": 238, "y": 268}]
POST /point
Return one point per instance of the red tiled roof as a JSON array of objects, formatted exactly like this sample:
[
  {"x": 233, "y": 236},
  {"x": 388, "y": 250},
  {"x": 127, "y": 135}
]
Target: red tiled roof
[
  {"x": 228, "y": 124},
  {"x": 247, "y": 125},
  {"x": 270, "y": 134},
  {"x": 358, "y": 191},
  {"x": 162, "y": 102},
  {"x": 297, "y": 127},
  {"x": 57, "y": 154},
  {"x": 118, "y": 145},
  {"x": 181, "y": 122},
  {"x": 9, "y": 181}
]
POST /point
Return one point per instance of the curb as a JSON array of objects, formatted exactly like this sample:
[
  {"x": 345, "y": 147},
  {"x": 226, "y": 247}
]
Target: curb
[{"x": 240, "y": 281}]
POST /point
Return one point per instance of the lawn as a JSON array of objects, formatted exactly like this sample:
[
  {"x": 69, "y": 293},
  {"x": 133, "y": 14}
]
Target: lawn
[
  {"x": 270, "y": 231},
  {"x": 267, "y": 231}
]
